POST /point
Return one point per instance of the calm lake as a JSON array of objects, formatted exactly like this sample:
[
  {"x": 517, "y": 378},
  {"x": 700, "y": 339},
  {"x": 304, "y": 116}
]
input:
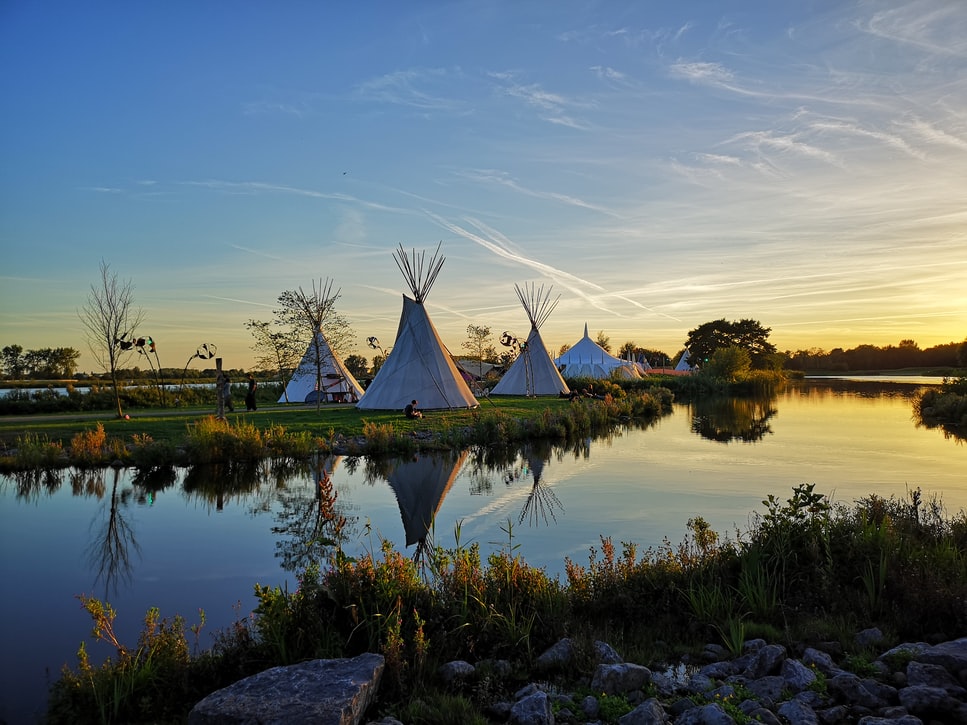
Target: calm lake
[{"x": 202, "y": 538}]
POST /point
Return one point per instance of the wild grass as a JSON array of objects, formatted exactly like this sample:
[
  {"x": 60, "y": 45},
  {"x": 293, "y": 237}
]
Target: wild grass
[{"x": 452, "y": 605}]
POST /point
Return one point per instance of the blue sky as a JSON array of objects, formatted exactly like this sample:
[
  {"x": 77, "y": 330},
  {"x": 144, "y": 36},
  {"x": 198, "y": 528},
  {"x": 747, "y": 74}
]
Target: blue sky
[{"x": 660, "y": 164}]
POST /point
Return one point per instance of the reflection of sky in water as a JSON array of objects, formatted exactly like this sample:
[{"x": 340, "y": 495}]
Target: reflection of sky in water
[{"x": 637, "y": 486}]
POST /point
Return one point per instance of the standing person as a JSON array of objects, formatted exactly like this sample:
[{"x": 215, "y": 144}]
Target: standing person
[
  {"x": 411, "y": 411},
  {"x": 250, "y": 395},
  {"x": 229, "y": 405}
]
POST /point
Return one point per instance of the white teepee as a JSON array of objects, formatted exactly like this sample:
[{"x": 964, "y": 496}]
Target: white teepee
[
  {"x": 331, "y": 380},
  {"x": 683, "y": 364},
  {"x": 533, "y": 372},
  {"x": 420, "y": 483},
  {"x": 419, "y": 367},
  {"x": 587, "y": 359}
]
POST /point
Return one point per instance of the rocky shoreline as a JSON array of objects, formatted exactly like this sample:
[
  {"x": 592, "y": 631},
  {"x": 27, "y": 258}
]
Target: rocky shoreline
[{"x": 911, "y": 684}]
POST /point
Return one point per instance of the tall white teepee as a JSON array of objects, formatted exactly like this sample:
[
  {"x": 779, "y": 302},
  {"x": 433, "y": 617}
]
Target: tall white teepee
[
  {"x": 419, "y": 367},
  {"x": 533, "y": 372},
  {"x": 587, "y": 359},
  {"x": 331, "y": 379}
]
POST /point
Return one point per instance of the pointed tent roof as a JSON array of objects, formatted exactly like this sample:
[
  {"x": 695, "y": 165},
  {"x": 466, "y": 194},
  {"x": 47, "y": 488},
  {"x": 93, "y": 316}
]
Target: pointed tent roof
[
  {"x": 419, "y": 367},
  {"x": 587, "y": 359},
  {"x": 420, "y": 485},
  {"x": 533, "y": 372},
  {"x": 683, "y": 364},
  {"x": 336, "y": 379}
]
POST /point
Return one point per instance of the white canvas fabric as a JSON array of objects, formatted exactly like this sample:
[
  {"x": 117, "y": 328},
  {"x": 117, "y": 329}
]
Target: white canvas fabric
[
  {"x": 419, "y": 367},
  {"x": 683, "y": 365},
  {"x": 587, "y": 359},
  {"x": 337, "y": 383},
  {"x": 545, "y": 378}
]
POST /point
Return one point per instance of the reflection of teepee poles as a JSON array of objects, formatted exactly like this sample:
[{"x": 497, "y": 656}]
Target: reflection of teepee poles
[
  {"x": 541, "y": 501},
  {"x": 420, "y": 485}
]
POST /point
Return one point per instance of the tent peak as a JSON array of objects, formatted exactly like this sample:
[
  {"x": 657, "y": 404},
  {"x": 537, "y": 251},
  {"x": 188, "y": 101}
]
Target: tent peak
[{"x": 418, "y": 277}]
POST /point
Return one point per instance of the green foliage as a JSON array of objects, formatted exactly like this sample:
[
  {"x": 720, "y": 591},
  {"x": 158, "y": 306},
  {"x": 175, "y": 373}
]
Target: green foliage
[
  {"x": 945, "y": 408},
  {"x": 731, "y": 364}
]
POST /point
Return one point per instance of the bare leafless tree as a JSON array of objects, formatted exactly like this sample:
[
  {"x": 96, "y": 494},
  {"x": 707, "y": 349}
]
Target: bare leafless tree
[
  {"x": 277, "y": 350},
  {"x": 110, "y": 320}
]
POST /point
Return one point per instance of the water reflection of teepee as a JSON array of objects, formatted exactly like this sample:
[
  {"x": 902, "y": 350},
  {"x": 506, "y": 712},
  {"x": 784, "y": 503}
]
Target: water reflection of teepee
[
  {"x": 541, "y": 501},
  {"x": 420, "y": 484}
]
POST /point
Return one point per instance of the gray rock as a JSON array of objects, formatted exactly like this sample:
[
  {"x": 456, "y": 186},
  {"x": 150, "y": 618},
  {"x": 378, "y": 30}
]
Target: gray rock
[
  {"x": 900, "y": 720},
  {"x": 665, "y": 685},
  {"x": 820, "y": 660},
  {"x": 320, "y": 692},
  {"x": 590, "y": 707},
  {"x": 866, "y": 693},
  {"x": 535, "y": 709},
  {"x": 650, "y": 712},
  {"x": 605, "y": 654},
  {"x": 797, "y": 712},
  {"x": 718, "y": 670},
  {"x": 768, "y": 690},
  {"x": 952, "y": 655},
  {"x": 932, "y": 702},
  {"x": 557, "y": 656},
  {"x": 453, "y": 673},
  {"x": 616, "y": 679},
  {"x": 907, "y": 649},
  {"x": 796, "y": 675},
  {"x": 766, "y": 662},
  {"x": 921, "y": 673},
  {"x": 833, "y": 715},
  {"x": 869, "y": 638},
  {"x": 711, "y": 714},
  {"x": 699, "y": 683},
  {"x": 766, "y": 717}
]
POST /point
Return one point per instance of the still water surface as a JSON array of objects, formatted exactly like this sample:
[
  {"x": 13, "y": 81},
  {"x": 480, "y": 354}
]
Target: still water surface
[{"x": 199, "y": 539}]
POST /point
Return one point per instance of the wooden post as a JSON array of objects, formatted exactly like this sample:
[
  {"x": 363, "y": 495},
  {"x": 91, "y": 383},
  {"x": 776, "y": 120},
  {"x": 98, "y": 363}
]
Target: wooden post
[{"x": 219, "y": 390}]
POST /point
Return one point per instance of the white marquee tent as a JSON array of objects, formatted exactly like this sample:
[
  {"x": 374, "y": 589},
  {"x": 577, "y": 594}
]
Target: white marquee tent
[{"x": 587, "y": 359}]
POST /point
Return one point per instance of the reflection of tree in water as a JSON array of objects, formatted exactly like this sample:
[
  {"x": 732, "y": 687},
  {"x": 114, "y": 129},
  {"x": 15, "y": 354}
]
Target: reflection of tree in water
[
  {"x": 112, "y": 538},
  {"x": 219, "y": 483},
  {"x": 30, "y": 484},
  {"x": 726, "y": 419},
  {"x": 541, "y": 501},
  {"x": 148, "y": 482},
  {"x": 310, "y": 522}
]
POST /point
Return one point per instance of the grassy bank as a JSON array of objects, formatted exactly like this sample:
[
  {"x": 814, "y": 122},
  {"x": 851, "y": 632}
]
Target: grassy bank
[
  {"x": 807, "y": 571},
  {"x": 154, "y": 437}
]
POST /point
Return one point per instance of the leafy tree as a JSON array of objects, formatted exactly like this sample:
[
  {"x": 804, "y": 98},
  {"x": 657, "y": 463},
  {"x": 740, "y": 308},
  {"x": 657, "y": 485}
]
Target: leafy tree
[
  {"x": 110, "y": 321},
  {"x": 962, "y": 355},
  {"x": 604, "y": 341},
  {"x": 12, "y": 361},
  {"x": 563, "y": 349},
  {"x": 357, "y": 365},
  {"x": 750, "y": 335},
  {"x": 730, "y": 363},
  {"x": 378, "y": 361},
  {"x": 276, "y": 349},
  {"x": 479, "y": 345}
]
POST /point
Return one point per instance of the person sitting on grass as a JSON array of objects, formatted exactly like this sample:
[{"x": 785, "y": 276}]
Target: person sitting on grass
[{"x": 411, "y": 411}]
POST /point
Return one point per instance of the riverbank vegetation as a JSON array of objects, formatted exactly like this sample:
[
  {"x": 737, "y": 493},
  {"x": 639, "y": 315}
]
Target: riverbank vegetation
[
  {"x": 945, "y": 407},
  {"x": 806, "y": 571}
]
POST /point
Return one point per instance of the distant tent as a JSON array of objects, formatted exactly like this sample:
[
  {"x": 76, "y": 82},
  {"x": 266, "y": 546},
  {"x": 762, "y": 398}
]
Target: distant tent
[
  {"x": 420, "y": 485},
  {"x": 419, "y": 367},
  {"x": 533, "y": 372},
  {"x": 587, "y": 359},
  {"x": 683, "y": 365},
  {"x": 332, "y": 380}
]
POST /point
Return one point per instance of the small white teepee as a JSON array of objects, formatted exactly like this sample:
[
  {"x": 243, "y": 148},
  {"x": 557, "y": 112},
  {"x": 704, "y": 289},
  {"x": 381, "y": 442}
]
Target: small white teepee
[
  {"x": 419, "y": 367},
  {"x": 331, "y": 380},
  {"x": 533, "y": 373},
  {"x": 684, "y": 366}
]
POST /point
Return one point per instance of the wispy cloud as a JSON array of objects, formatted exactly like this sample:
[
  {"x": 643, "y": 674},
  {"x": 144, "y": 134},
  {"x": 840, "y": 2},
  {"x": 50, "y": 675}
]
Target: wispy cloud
[
  {"x": 491, "y": 176},
  {"x": 413, "y": 88}
]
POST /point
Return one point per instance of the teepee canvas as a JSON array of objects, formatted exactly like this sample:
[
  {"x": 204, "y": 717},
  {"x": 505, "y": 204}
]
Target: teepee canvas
[
  {"x": 684, "y": 366},
  {"x": 587, "y": 359},
  {"x": 330, "y": 380},
  {"x": 533, "y": 372},
  {"x": 419, "y": 367}
]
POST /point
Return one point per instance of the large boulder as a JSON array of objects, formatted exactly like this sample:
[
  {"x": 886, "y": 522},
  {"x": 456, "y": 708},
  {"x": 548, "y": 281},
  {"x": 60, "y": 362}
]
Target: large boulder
[{"x": 319, "y": 692}]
